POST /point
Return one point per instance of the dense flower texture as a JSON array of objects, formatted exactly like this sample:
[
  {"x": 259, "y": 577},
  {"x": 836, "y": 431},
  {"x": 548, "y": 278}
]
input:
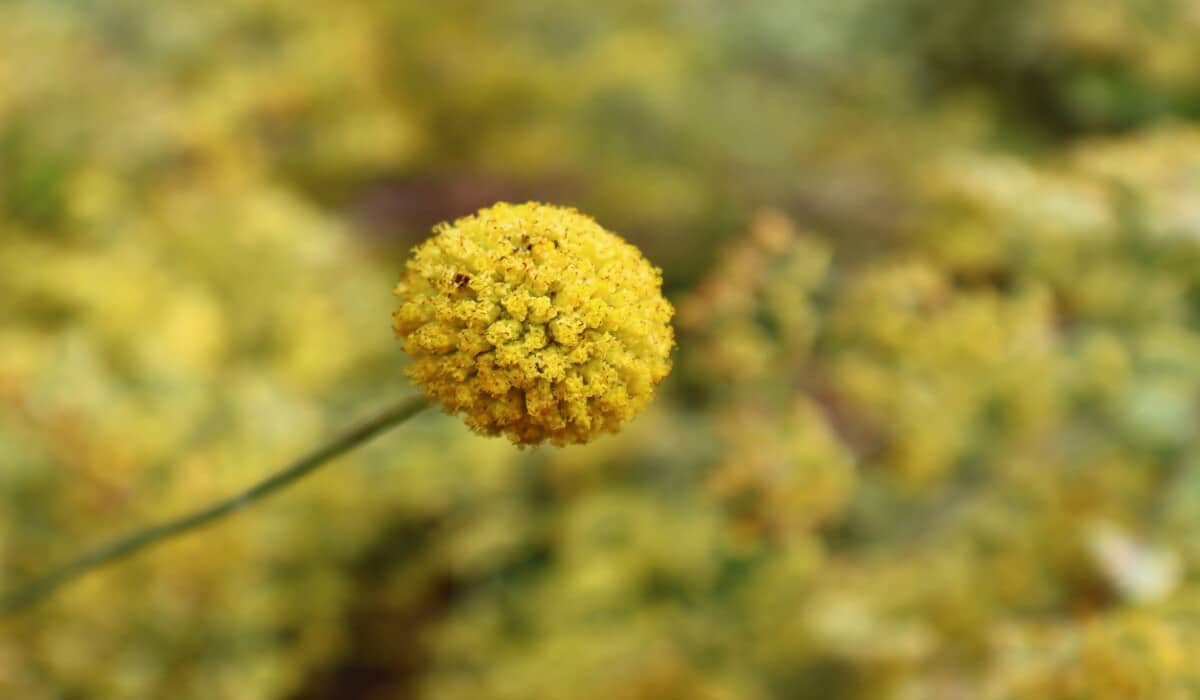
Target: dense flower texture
[{"x": 535, "y": 322}]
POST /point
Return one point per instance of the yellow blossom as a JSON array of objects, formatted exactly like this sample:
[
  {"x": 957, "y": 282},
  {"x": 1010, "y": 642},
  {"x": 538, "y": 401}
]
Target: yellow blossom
[{"x": 534, "y": 321}]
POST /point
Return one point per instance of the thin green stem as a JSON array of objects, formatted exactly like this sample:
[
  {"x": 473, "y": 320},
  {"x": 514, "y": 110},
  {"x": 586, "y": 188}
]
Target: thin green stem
[{"x": 340, "y": 444}]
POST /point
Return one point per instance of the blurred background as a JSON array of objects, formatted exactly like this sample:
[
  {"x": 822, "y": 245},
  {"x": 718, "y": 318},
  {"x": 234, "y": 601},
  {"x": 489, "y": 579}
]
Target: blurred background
[{"x": 931, "y": 429}]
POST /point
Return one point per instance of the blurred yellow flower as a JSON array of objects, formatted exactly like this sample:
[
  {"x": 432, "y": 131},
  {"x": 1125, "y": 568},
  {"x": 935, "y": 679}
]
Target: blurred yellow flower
[{"x": 534, "y": 321}]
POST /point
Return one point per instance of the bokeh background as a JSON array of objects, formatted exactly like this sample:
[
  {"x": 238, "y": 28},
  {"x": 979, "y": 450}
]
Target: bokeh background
[{"x": 931, "y": 431}]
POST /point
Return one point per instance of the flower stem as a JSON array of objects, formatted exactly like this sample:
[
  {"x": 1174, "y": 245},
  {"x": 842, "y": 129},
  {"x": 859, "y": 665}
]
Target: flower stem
[{"x": 357, "y": 435}]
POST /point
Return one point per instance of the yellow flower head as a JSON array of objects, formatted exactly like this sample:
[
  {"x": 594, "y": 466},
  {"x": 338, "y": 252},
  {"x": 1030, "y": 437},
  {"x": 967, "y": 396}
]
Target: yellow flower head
[{"x": 534, "y": 321}]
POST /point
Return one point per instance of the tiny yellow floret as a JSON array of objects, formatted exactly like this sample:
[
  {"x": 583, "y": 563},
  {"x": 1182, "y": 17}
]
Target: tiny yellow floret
[{"x": 534, "y": 321}]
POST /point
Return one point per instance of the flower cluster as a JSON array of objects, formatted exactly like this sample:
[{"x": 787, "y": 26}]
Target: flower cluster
[
  {"x": 533, "y": 321},
  {"x": 931, "y": 424}
]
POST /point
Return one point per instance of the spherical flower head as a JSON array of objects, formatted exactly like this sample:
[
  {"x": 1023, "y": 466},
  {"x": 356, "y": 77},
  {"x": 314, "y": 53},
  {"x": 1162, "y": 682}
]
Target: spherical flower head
[{"x": 533, "y": 321}]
